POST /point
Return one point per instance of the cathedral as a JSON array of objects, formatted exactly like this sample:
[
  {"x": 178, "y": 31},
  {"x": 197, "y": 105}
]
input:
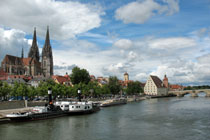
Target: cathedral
[{"x": 31, "y": 66}]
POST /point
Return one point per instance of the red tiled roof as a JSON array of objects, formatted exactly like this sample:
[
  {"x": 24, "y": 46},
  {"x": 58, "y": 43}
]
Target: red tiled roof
[
  {"x": 26, "y": 61},
  {"x": 157, "y": 81},
  {"x": 12, "y": 60},
  {"x": 175, "y": 87},
  {"x": 61, "y": 79}
]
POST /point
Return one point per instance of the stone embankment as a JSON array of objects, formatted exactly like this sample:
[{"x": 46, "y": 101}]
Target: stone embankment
[
  {"x": 20, "y": 104},
  {"x": 134, "y": 99},
  {"x": 8, "y": 107}
]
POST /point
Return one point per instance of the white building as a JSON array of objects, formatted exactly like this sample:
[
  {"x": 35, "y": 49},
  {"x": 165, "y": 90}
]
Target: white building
[{"x": 154, "y": 86}]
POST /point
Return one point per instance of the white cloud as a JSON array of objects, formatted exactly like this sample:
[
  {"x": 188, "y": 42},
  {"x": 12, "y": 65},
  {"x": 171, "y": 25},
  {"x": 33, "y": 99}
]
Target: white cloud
[
  {"x": 132, "y": 56},
  {"x": 12, "y": 41},
  {"x": 142, "y": 76},
  {"x": 159, "y": 56},
  {"x": 172, "y": 43},
  {"x": 140, "y": 11},
  {"x": 66, "y": 19},
  {"x": 172, "y": 7},
  {"x": 205, "y": 59},
  {"x": 123, "y": 43},
  {"x": 178, "y": 57},
  {"x": 190, "y": 72}
]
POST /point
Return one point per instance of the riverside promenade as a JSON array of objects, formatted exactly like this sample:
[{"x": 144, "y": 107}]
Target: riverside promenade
[
  {"x": 3, "y": 113},
  {"x": 20, "y": 108}
]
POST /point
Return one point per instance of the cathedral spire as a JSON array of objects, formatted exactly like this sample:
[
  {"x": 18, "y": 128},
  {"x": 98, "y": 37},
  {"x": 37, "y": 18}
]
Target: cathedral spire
[
  {"x": 34, "y": 50},
  {"x": 34, "y": 38},
  {"x": 47, "y": 40},
  {"x": 22, "y": 53},
  {"x": 47, "y": 57}
]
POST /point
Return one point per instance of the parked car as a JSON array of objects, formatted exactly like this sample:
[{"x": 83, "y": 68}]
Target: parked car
[
  {"x": 36, "y": 99},
  {"x": 12, "y": 99}
]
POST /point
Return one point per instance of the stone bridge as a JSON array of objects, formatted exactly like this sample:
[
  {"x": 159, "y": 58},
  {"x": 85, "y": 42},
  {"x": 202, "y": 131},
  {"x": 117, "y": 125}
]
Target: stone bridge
[{"x": 194, "y": 93}]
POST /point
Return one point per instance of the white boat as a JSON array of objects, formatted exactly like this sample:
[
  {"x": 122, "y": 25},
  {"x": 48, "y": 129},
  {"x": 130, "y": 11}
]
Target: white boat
[
  {"x": 38, "y": 113},
  {"x": 113, "y": 102},
  {"x": 18, "y": 115},
  {"x": 77, "y": 108}
]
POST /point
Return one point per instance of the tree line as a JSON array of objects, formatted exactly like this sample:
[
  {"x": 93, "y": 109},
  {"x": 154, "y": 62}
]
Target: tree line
[
  {"x": 197, "y": 87},
  {"x": 80, "y": 79}
]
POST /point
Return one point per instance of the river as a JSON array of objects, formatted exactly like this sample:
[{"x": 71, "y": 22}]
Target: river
[{"x": 174, "y": 118}]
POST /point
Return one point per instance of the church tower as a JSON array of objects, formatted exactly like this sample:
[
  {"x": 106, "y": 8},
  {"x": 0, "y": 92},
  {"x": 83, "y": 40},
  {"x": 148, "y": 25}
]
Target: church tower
[
  {"x": 126, "y": 77},
  {"x": 47, "y": 57},
  {"x": 34, "y": 50},
  {"x": 22, "y": 53},
  {"x": 165, "y": 82}
]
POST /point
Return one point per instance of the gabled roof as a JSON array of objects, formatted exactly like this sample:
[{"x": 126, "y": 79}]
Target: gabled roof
[
  {"x": 157, "y": 81},
  {"x": 12, "y": 59},
  {"x": 27, "y": 61},
  {"x": 61, "y": 79}
]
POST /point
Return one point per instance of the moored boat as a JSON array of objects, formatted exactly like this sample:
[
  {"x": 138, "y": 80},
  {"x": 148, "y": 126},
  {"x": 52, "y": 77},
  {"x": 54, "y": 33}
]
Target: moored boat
[
  {"x": 113, "y": 102},
  {"x": 78, "y": 108},
  {"x": 38, "y": 113}
]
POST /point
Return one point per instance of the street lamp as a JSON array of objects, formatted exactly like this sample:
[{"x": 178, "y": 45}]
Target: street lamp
[
  {"x": 50, "y": 95},
  {"x": 79, "y": 94}
]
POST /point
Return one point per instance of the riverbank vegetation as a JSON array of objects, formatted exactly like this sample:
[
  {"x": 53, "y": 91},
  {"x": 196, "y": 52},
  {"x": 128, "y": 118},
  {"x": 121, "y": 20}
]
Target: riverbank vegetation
[
  {"x": 197, "y": 87},
  {"x": 80, "y": 79}
]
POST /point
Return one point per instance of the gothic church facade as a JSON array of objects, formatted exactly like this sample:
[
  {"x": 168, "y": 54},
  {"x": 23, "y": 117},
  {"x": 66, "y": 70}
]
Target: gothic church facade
[{"x": 31, "y": 66}]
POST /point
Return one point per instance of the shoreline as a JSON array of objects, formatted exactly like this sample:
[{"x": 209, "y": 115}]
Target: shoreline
[{"x": 4, "y": 112}]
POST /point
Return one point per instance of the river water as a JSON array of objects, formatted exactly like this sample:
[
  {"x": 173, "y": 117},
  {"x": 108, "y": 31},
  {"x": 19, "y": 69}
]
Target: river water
[{"x": 174, "y": 118}]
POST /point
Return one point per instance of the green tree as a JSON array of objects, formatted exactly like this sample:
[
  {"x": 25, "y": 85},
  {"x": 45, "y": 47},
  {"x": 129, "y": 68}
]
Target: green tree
[
  {"x": 5, "y": 90},
  {"x": 32, "y": 92},
  {"x": 134, "y": 88},
  {"x": 71, "y": 91},
  {"x": 92, "y": 89},
  {"x": 105, "y": 90},
  {"x": 43, "y": 87},
  {"x": 22, "y": 90},
  {"x": 114, "y": 85},
  {"x": 79, "y": 76},
  {"x": 188, "y": 88},
  {"x": 59, "y": 89},
  {"x": 1, "y": 88},
  {"x": 14, "y": 89}
]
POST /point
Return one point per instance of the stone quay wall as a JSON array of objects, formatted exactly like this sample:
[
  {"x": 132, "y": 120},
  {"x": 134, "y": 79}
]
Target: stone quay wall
[{"x": 20, "y": 104}]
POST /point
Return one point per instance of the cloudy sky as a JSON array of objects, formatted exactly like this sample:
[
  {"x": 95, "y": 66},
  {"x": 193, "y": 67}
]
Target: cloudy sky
[{"x": 111, "y": 37}]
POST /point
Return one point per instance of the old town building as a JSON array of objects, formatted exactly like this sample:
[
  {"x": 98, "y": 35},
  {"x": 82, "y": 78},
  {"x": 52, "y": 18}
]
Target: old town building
[
  {"x": 31, "y": 66},
  {"x": 154, "y": 86}
]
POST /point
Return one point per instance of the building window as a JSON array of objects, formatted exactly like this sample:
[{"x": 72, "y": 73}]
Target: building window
[{"x": 44, "y": 63}]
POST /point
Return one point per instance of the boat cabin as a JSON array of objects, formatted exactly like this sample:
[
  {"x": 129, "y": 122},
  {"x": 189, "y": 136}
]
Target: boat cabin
[{"x": 74, "y": 106}]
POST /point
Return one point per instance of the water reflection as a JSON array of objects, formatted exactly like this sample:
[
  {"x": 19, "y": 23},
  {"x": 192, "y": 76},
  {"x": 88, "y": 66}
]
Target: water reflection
[{"x": 201, "y": 94}]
